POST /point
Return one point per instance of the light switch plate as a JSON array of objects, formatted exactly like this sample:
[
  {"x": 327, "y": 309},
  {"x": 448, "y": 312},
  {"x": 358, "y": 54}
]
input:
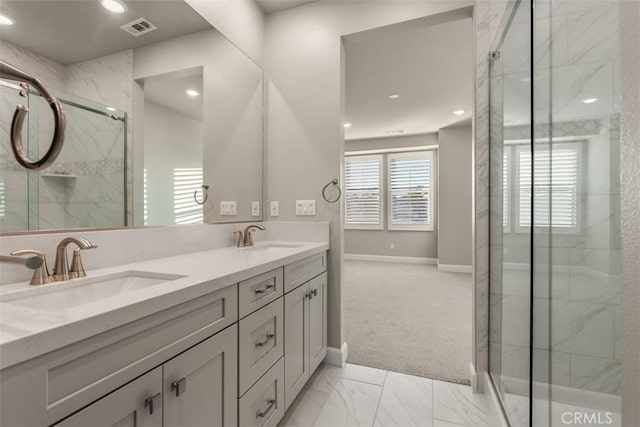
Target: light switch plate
[
  {"x": 228, "y": 208},
  {"x": 255, "y": 208},
  {"x": 275, "y": 208},
  {"x": 305, "y": 207}
]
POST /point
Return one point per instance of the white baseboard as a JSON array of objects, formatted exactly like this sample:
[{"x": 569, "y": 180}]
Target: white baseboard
[
  {"x": 384, "y": 258},
  {"x": 336, "y": 356},
  {"x": 452, "y": 268},
  {"x": 473, "y": 378}
]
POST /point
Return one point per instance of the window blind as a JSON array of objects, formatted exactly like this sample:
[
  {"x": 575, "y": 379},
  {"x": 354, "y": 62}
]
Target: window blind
[
  {"x": 145, "y": 195},
  {"x": 185, "y": 182},
  {"x": 506, "y": 189},
  {"x": 555, "y": 197},
  {"x": 363, "y": 197},
  {"x": 410, "y": 191}
]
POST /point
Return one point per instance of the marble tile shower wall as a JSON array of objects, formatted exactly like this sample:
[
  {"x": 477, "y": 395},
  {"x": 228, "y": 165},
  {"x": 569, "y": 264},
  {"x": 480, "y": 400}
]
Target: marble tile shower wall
[
  {"x": 93, "y": 151},
  {"x": 586, "y": 281}
]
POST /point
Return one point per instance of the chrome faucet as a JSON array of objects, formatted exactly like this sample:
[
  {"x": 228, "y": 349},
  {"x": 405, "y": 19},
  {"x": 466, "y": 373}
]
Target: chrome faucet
[
  {"x": 244, "y": 237},
  {"x": 61, "y": 270},
  {"x": 37, "y": 263},
  {"x": 248, "y": 237}
]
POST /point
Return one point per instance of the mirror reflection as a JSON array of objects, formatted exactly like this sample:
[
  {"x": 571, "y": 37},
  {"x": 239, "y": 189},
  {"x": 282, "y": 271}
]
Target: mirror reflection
[{"x": 141, "y": 147}]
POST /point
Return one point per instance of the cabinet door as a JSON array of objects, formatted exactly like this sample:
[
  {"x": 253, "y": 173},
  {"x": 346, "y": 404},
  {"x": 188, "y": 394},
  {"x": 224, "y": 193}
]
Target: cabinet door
[
  {"x": 137, "y": 404},
  {"x": 296, "y": 347},
  {"x": 317, "y": 321},
  {"x": 201, "y": 384}
]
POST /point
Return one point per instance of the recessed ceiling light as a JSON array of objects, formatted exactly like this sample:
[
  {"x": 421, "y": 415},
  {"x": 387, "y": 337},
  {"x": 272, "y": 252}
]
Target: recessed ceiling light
[
  {"x": 114, "y": 6},
  {"x": 394, "y": 96},
  {"x": 110, "y": 109},
  {"x": 5, "y": 20},
  {"x": 459, "y": 112},
  {"x": 589, "y": 100},
  {"x": 348, "y": 125},
  {"x": 192, "y": 92}
]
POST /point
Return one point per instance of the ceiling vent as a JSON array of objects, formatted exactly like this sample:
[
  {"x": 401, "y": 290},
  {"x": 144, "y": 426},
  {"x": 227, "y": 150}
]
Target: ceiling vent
[{"x": 139, "y": 27}]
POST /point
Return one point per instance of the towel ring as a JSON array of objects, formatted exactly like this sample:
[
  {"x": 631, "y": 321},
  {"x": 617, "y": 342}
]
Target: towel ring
[
  {"x": 324, "y": 191},
  {"x": 10, "y": 72},
  {"x": 205, "y": 195}
]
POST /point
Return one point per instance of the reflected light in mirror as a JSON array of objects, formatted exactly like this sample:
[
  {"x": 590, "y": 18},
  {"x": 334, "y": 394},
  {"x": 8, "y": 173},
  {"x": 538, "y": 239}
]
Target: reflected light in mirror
[
  {"x": 589, "y": 100},
  {"x": 5, "y": 20},
  {"x": 114, "y": 6},
  {"x": 394, "y": 96},
  {"x": 192, "y": 92},
  {"x": 347, "y": 125},
  {"x": 459, "y": 112}
]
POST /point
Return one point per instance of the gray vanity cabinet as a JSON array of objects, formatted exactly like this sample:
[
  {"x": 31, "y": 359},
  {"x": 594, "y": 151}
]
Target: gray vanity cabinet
[
  {"x": 200, "y": 385},
  {"x": 137, "y": 404},
  {"x": 305, "y": 332}
]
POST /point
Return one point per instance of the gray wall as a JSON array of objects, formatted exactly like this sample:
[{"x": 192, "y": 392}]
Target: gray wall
[
  {"x": 305, "y": 110},
  {"x": 418, "y": 244},
  {"x": 455, "y": 195}
]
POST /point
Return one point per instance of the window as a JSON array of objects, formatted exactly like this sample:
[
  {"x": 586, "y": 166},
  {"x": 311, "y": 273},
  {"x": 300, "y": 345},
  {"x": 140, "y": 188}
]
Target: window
[
  {"x": 2, "y": 202},
  {"x": 410, "y": 191},
  {"x": 185, "y": 182},
  {"x": 506, "y": 189},
  {"x": 363, "y": 197},
  {"x": 556, "y": 187},
  {"x": 145, "y": 194}
]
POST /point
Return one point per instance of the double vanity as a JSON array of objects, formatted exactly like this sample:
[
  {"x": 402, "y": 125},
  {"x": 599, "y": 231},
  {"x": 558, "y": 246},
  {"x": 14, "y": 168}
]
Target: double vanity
[{"x": 220, "y": 337}]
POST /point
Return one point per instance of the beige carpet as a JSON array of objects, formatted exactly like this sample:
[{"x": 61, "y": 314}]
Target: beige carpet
[{"x": 409, "y": 318}]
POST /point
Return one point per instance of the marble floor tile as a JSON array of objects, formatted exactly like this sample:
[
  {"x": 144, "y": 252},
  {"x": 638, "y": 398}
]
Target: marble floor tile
[
  {"x": 325, "y": 378},
  {"x": 351, "y": 403},
  {"x": 304, "y": 411},
  {"x": 364, "y": 374},
  {"x": 406, "y": 401},
  {"x": 457, "y": 404},
  {"x": 440, "y": 423}
]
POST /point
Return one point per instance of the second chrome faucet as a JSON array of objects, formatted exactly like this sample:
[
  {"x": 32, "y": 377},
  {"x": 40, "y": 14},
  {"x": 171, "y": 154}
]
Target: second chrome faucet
[{"x": 245, "y": 238}]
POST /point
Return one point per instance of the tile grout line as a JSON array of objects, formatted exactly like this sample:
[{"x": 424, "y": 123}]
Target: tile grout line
[{"x": 384, "y": 382}]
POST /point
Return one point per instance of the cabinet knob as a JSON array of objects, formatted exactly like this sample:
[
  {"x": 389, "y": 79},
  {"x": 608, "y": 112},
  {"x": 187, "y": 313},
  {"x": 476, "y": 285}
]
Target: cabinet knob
[
  {"x": 314, "y": 292},
  {"x": 152, "y": 402},
  {"x": 261, "y": 414},
  {"x": 179, "y": 387}
]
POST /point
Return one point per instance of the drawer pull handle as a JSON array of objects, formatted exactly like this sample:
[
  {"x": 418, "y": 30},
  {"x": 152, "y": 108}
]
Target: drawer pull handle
[
  {"x": 263, "y": 290},
  {"x": 270, "y": 336},
  {"x": 261, "y": 414},
  {"x": 179, "y": 386},
  {"x": 152, "y": 402}
]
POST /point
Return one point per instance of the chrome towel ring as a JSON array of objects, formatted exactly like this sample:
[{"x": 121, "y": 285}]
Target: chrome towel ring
[
  {"x": 10, "y": 72},
  {"x": 205, "y": 195},
  {"x": 324, "y": 191}
]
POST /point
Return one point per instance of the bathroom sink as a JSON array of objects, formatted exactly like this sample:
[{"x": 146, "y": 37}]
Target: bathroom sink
[
  {"x": 274, "y": 246},
  {"x": 84, "y": 291}
]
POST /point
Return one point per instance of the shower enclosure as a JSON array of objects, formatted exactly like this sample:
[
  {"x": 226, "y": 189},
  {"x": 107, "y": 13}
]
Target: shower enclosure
[
  {"x": 555, "y": 242},
  {"x": 84, "y": 187}
]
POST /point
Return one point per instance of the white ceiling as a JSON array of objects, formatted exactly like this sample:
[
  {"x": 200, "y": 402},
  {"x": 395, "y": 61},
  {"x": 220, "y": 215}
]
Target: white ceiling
[
  {"x": 429, "y": 66},
  {"x": 72, "y": 31},
  {"x": 270, "y": 6},
  {"x": 171, "y": 92}
]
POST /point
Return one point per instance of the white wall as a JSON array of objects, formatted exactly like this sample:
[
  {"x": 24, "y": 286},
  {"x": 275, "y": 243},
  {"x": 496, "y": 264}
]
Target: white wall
[
  {"x": 305, "y": 109},
  {"x": 455, "y": 214},
  {"x": 171, "y": 140}
]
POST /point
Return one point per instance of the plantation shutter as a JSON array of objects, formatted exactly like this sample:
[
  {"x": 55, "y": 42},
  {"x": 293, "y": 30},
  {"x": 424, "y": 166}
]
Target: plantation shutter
[
  {"x": 363, "y": 201},
  {"x": 185, "y": 182},
  {"x": 410, "y": 194},
  {"x": 555, "y": 187}
]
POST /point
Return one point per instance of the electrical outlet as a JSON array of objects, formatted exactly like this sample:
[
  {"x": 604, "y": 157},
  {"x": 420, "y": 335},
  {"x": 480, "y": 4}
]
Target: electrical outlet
[
  {"x": 228, "y": 208},
  {"x": 275, "y": 208},
  {"x": 305, "y": 207},
  {"x": 255, "y": 208}
]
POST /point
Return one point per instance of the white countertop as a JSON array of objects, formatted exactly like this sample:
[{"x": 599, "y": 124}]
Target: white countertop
[{"x": 26, "y": 333}]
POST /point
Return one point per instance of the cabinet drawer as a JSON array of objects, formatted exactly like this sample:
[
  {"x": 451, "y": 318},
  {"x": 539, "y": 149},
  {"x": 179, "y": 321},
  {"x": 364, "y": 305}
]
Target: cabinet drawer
[
  {"x": 259, "y": 291},
  {"x": 263, "y": 404},
  {"x": 61, "y": 382},
  {"x": 261, "y": 343},
  {"x": 299, "y": 272}
]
